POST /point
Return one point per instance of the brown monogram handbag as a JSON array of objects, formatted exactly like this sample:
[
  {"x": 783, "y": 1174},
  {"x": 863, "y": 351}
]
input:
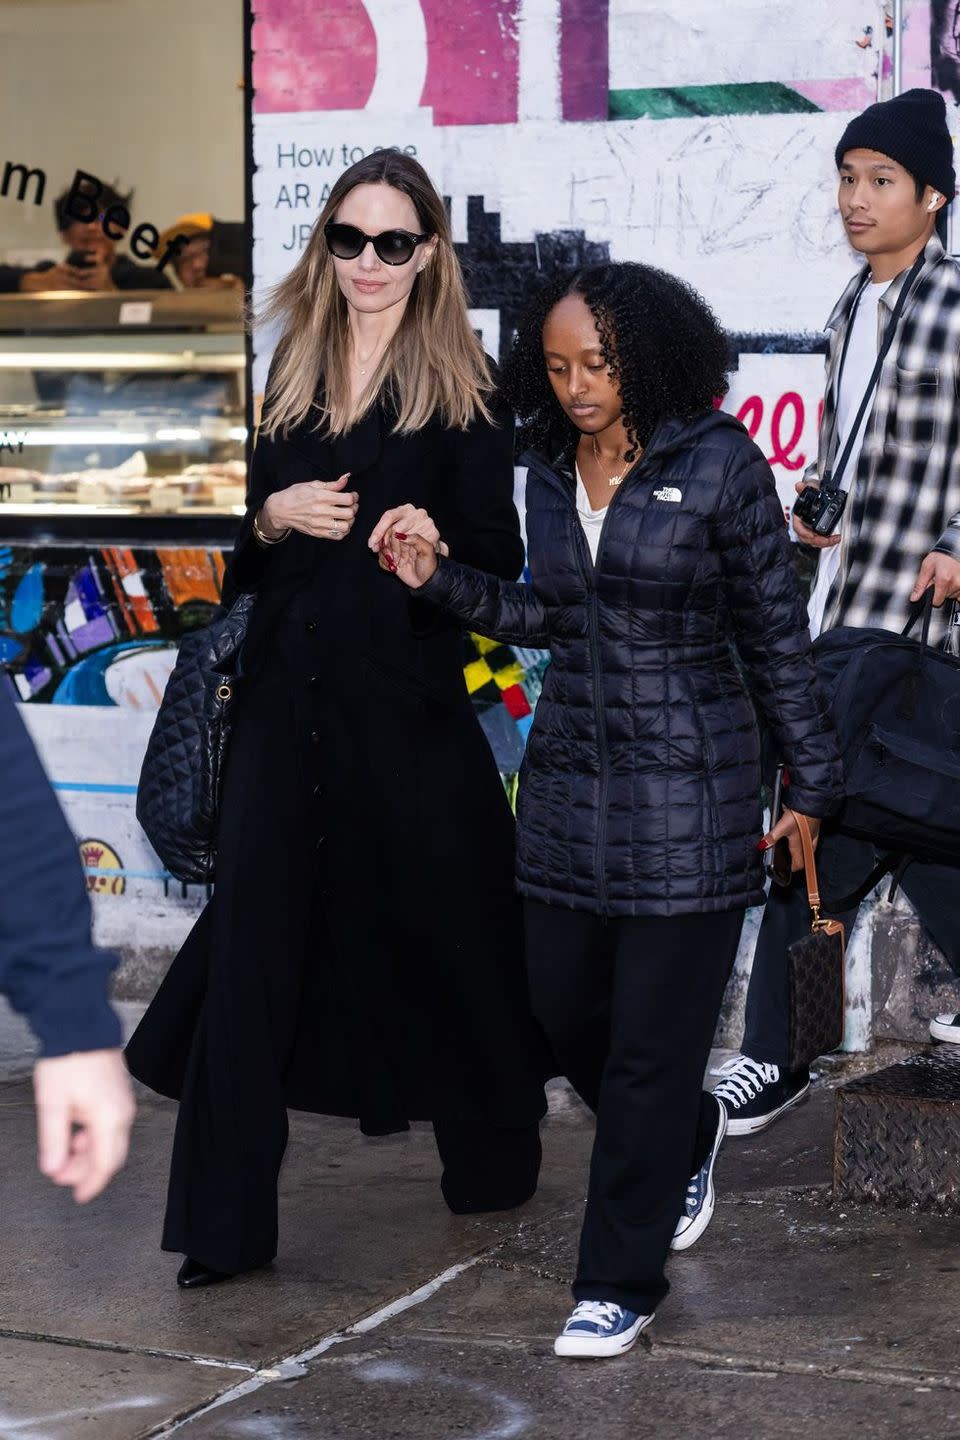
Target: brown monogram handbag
[{"x": 815, "y": 972}]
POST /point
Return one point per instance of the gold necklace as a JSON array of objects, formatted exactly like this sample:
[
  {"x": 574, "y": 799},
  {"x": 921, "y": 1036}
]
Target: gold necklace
[{"x": 611, "y": 479}]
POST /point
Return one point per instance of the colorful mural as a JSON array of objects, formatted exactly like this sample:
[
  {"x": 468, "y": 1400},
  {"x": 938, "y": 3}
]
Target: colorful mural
[
  {"x": 698, "y": 137},
  {"x": 101, "y": 627}
]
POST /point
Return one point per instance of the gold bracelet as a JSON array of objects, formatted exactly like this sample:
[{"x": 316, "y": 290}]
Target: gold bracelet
[{"x": 267, "y": 539}]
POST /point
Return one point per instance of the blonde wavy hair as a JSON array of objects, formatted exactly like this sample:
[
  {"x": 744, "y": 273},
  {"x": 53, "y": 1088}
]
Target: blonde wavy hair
[{"x": 434, "y": 363}]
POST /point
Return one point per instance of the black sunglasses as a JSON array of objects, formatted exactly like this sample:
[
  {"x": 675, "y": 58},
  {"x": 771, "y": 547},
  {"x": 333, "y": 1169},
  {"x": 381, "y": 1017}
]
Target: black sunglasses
[{"x": 394, "y": 247}]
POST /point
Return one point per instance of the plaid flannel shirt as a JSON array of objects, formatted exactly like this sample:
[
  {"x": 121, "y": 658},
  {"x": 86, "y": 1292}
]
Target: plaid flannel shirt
[{"x": 906, "y": 497}]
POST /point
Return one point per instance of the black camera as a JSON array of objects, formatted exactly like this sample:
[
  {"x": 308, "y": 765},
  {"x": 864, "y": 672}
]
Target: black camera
[{"x": 820, "y": 509}]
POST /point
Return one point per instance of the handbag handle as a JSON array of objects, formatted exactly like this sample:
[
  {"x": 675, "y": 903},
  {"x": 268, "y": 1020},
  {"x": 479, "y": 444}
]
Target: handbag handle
[{"x": 829, "y": 927}]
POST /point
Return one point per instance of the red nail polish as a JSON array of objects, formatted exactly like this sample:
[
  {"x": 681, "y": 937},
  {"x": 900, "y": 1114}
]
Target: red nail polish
[
  {"x": 763, "y": 845},
  {"x": 399, "y": 536},
  {"x": 391, "y": 563}
]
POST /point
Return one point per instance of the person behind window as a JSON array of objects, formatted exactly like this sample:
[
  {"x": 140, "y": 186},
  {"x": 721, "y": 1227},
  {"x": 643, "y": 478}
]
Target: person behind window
[
  {"x": 91, "y": 262},
  {"x": 191, "y": 261}
]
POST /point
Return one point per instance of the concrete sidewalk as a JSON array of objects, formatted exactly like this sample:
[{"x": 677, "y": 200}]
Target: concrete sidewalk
[{"x": 386, "y": 1318}]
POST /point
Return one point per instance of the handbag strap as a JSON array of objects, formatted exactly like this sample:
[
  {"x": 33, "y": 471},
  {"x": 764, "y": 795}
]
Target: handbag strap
[{"x": 829, "y": 927}]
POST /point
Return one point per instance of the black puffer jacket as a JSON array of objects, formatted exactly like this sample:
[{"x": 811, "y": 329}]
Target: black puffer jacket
[{"x": 640, "y": 789}]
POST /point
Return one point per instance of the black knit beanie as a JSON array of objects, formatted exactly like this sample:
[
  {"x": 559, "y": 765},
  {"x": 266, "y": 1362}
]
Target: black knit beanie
[{"x": 911, "y": 129}]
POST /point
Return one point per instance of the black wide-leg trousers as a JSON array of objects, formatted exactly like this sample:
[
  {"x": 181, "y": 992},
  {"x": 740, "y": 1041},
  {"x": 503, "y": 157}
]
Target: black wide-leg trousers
[{"x": 630, "y": 1007}]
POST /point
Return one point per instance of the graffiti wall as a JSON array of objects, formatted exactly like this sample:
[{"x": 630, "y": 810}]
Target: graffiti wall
[{"x": 698, "y": 137}]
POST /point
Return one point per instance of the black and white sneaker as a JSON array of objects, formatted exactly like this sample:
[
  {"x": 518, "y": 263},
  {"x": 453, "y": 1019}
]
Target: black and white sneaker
[
  {"x": 946, "y": 1028},
  {"x": 755, "y": 1093}
]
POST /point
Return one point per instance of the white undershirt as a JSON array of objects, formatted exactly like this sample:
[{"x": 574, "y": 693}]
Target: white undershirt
[
  {"x": 590, "y": 519},
  {"x": 857, "y": 368}
]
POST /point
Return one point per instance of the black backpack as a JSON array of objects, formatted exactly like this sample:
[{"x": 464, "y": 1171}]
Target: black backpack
[{"x": 895, "y": 703}]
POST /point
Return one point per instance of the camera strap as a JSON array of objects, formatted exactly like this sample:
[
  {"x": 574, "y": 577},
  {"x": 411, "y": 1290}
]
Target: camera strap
[{"x": 832, "y": 474}]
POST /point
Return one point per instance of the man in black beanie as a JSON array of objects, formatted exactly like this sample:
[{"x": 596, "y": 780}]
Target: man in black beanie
[{"x": 892, "y": 446}]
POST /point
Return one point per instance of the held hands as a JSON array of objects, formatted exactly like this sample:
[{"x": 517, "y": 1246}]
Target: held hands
[
  {"x": 412, "y": 559},
  {"x": 321, "y": 508},
  {"x": 943, "y": 573},
  {"x": 808, "y": 536},
  {"x": 85, "y": 1109},
  {"x": 401, "y": 523},
  {"x": 407, "y": 543},
  {"x": 787, "y": 828}
]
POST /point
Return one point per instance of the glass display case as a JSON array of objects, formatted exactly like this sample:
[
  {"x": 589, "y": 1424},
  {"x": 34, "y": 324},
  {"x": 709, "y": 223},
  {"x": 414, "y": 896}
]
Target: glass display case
[{"x": 122, "y": 413}]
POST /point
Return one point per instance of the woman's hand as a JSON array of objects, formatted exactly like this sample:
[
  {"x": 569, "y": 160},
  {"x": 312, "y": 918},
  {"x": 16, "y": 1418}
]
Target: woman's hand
[
  {"x": 321, "y": 508},
  {"x": 788, "y": 829},
  {"x": 413, "y": 560},
  {"x": 401, "y": 524}
]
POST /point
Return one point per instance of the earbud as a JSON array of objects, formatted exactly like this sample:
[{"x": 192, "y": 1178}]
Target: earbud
[{"x": 934, "y": 200}]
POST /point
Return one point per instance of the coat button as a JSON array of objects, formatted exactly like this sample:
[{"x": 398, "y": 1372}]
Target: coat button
[
  {"x": 320, "y": 841},
  {"x": 311, "y": 626},
  {"x": 315, "y": 736},
  {"x": 317, "y": 791},
  {"x": 313, "y": 679}
]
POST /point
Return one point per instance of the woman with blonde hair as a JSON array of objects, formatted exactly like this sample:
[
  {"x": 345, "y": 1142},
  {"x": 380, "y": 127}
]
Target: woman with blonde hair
[{"x": 361, "y": 954}]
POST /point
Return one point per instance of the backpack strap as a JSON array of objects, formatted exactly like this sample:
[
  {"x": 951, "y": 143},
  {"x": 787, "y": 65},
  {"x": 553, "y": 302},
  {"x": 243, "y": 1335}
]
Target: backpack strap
[{"x": 894, "y": 863}]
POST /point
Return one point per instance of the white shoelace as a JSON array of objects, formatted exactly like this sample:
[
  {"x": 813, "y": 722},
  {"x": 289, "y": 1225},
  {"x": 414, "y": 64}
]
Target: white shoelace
[
  {"x": 744, "y": 1080},
  {"x": 729, "y": 1066},
  {"x": 597, "y": 1312}
]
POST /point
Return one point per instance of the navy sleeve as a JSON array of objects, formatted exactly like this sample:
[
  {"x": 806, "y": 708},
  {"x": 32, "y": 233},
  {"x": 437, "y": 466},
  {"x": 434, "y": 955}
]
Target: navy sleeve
[
  {"x": 507, "y": 610},
  {"x": 772, "y": 633},
  {"x": 49, "y": 969}
]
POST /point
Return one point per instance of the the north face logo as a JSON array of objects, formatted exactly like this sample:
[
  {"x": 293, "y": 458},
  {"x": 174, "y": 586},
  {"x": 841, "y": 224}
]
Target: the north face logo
[{"x": 670, "y": 493}]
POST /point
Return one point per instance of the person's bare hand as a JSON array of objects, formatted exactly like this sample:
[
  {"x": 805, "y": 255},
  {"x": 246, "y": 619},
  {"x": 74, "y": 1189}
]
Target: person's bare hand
[
  {"x": 321, "y": 508},
  {"x": 413, "y": 560},
  {"x": 55, "y": 277},
  {"x": 85, "y": 1109},
  {"x": 96, "y": 276},
  {"x": 943, "y": 573},
  {"x": 804, "y": 533},
  {"x": 787, "y": 827},
  {"x": 399, "y": 524}
]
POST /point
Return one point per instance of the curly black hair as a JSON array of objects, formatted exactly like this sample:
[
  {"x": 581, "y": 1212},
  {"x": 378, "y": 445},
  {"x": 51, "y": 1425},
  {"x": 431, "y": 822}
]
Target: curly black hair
[{"x": 666, "y": 350}]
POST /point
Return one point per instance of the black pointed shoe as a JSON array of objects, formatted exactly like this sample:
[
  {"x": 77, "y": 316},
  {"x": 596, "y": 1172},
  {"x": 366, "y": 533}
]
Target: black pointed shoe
[{"x": 192, "y": 1275}]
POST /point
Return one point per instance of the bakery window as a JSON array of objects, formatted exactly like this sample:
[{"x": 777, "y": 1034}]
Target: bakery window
[{"x": 122, "y": 409}]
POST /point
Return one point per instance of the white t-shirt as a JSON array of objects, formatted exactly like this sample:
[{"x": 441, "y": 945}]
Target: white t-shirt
[
  {"x": 590, "y": 519},
  {"x": 857, "y": 368}
]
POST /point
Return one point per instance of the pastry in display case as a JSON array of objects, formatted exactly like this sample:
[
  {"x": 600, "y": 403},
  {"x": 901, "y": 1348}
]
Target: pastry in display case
[{"x": 143, "y": 418}]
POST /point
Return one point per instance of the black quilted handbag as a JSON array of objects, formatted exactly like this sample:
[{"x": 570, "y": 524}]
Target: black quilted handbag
[
  {"x": 178, "y": 797},
  {"x": 815, "y": 971}
]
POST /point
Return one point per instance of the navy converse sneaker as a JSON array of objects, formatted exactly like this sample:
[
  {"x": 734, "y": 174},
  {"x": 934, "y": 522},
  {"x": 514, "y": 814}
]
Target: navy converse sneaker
[
  {"x": 755, "y": 1093},
  {"x": 598, "y": 1328},
  {"x": 701, "y": 1201},
  {"x": 946, "y": 1028}
]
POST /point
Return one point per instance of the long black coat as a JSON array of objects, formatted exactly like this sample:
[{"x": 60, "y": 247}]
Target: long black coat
[
  {"x": 362, "y": 952},
  {"x": 640, "y": 789}
]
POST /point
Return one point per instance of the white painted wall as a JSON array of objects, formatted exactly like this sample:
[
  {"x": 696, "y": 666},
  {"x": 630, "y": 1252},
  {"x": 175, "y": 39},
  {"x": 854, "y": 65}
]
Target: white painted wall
[{"x": 145, "y": 91}]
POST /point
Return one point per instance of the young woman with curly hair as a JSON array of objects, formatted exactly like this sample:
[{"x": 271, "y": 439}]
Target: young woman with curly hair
[{"x": 655, "y": 542}]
